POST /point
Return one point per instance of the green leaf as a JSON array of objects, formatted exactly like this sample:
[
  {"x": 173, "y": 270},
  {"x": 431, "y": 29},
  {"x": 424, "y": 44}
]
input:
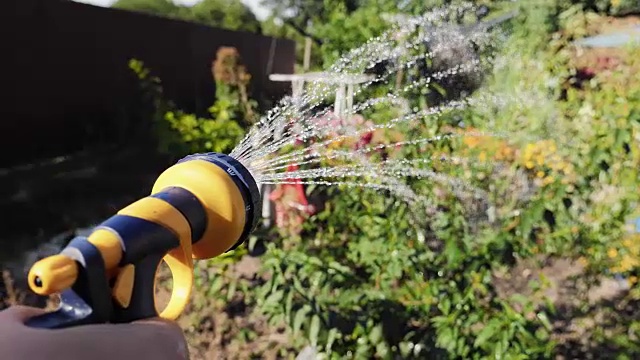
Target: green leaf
[
  {"x": 231, "y": 290},
  {"x": 544, "y": 320},
  {"x": 331, "y": 337},
  {"x": 314, "y": 330},
  {"x": 375, "y": 336},
  {"x": 288, "y": 305},
  {"x": 446, "y": 338},
  {"x": 486, "y": 333},
  {"x": 299, "y": 318},
  {"x": 453, "y": 253}
]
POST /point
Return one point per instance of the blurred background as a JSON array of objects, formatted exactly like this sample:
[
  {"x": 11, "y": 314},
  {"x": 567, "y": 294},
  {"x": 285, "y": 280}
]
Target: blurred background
[{"x": 103, "y": 95}]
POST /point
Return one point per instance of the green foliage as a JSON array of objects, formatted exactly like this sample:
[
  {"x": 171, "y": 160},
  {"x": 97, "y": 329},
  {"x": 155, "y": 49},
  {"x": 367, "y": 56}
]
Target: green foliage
[
  {"x": 180, "y": 133},
  {"x": 225, "y": 14},
  {"x": 372, "y": 277},
  {"x": 615, "y": 7},
  {"x": 219, "y": 133},
  {"x": 364, "y": 285},
  {"x": 337, "y": 26},
  {"x": 154, "y": 7},
  {"x": 343, "y": 29}
]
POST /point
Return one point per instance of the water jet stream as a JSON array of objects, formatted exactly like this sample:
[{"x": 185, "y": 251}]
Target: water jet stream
[{"x": 301, "y": 132}]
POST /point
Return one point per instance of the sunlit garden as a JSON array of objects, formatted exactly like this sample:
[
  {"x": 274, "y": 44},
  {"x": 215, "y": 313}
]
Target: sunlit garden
[{"x": 518, "y": 238}]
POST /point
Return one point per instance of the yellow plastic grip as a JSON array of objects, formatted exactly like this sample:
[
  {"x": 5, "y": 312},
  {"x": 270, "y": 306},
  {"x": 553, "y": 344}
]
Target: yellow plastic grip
[
  {"x": 179, "y": 259},
  {"x": 53, "y": 274},
  {"x": 59, "y": 272},
  {"x": 221, "y": 198}
]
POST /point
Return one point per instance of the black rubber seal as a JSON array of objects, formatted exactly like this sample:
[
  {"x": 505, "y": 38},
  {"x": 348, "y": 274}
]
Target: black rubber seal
[
  {"x": 245, "y": 182},
  {"x": 189, "y": 206}
]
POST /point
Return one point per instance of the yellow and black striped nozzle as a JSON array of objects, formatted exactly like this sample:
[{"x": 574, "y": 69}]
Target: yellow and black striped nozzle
[{"x": 199, "y": 208}]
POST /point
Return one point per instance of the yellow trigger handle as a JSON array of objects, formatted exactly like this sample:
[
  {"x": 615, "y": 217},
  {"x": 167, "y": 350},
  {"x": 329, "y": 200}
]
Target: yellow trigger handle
[
  {"x": 178, "y": 259},
  {"x": 199, "y": 208}
]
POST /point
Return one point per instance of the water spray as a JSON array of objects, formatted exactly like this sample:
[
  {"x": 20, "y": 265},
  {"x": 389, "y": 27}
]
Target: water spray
[{"x": 199, "y": 208}]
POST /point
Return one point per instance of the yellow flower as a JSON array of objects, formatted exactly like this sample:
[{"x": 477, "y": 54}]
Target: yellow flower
[
  {"x": 529, "y": 164},
  {"x": 506, "y": 152},
  {"x": 633, "y": 280},
  {"x": 612, "y": 253},
  {"x": 557, "y": 166},
  {"x": 627, "y": 263},
  {"x": 483, "y": 156},
  {"x": 471, "y": 141},
  {"x": 334, "y": 144},
  {"x": 583, "y": 261},
  {"x": 540, "y": 174},
  {"x": 529, "y": 148}
]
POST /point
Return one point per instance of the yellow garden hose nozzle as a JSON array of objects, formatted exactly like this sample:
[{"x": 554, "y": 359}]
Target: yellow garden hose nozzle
[{"x": 204, "y": 205}]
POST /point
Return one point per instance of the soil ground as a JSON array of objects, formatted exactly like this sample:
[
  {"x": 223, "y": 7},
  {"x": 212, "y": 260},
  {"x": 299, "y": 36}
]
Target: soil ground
[{"x": 579, "y": 306}]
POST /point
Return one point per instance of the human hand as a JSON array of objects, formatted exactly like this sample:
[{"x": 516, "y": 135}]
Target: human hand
[{"x": 149, "y": 339}]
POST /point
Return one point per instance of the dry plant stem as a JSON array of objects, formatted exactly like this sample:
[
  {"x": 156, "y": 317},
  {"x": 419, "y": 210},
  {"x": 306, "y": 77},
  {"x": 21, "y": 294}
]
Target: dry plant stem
[
  {"x": 245, "y": 101},
  {"x": 13, "y": 296},
  {"x": 16, "y": 296}
]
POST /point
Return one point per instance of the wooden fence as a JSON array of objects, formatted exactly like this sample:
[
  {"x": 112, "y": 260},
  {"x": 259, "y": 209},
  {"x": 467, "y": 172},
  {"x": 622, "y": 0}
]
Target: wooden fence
[{"x": 66, "y": 83}]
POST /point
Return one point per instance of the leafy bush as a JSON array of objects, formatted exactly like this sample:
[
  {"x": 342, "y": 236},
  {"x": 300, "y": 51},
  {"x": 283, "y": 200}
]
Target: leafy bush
[
  {"x": 181, "y": 133},
  {"x": 617, "y": 7},
  {"x": 226, "y": 14}
]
